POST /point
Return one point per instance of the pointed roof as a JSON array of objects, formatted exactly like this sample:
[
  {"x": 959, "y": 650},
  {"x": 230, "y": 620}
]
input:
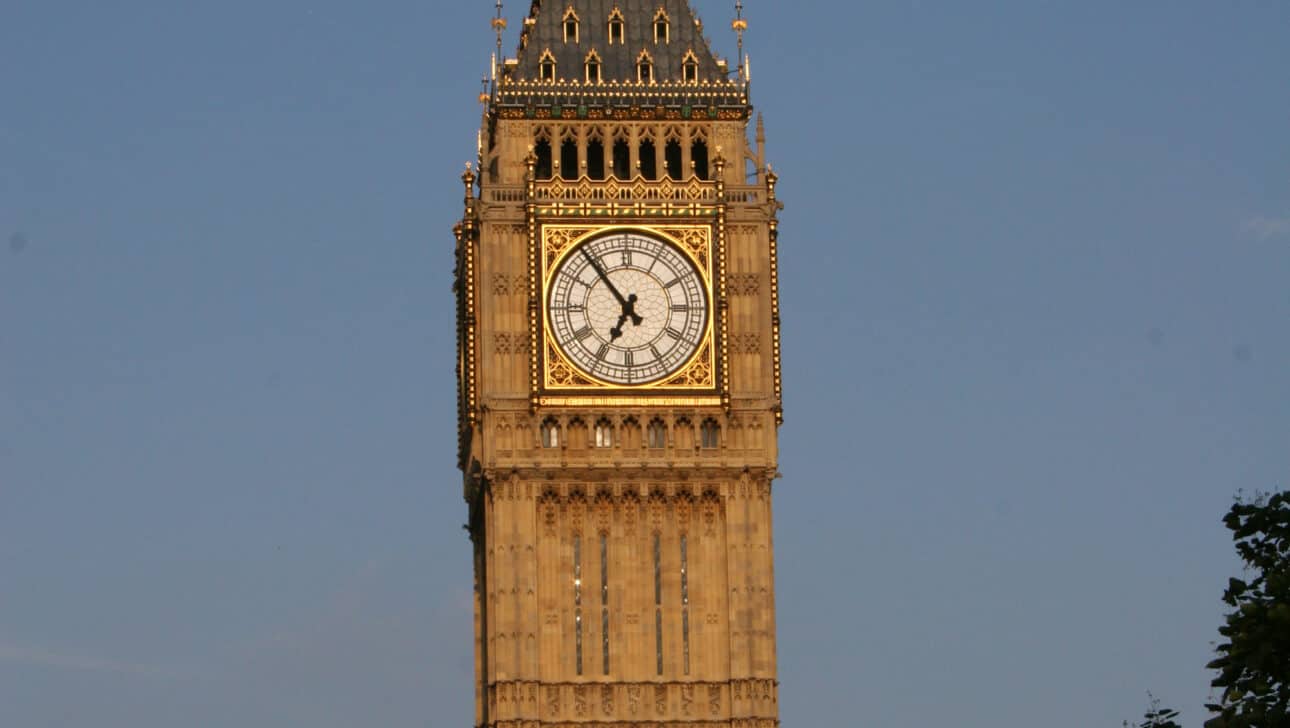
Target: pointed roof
[{"x": 544, "y": 31}]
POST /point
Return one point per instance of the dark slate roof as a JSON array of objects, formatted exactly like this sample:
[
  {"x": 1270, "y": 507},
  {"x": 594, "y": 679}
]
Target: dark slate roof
[{"x": 545, "y": 30}]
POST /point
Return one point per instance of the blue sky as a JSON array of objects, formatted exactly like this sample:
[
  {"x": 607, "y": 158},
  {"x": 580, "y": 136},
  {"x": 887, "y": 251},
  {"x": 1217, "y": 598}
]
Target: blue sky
[{"x": 1035, "y": 264}]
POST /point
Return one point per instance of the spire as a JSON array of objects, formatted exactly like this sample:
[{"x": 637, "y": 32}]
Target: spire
[
  {"x": 499, "y": 25},
  {"x": 739, "y": 25}
]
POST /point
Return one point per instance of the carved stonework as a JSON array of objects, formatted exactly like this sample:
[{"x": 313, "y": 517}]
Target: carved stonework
[
  {"x": 517, "y": 343},
  {"x": 745, "y": 344},
  {"x": 743, "y": 284}
]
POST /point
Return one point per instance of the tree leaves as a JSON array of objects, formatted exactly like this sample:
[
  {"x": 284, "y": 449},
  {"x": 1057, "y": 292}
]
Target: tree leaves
[{"x": 1254, "y": 662}]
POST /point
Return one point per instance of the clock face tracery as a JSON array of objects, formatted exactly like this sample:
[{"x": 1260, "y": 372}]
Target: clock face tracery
[{"x": 627, "y": 308}]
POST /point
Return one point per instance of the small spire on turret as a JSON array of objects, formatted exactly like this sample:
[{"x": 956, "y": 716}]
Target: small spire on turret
[
  {"x": 499, "y": 25},
  {"x": 740, "y": 25}
]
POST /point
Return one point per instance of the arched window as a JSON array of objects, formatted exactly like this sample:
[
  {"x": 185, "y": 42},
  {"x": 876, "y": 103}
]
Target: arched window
[
  {"x": 709, "y": 434},
  {"x": 645, "y": 68},
  {"x": 542, "y": 151},
  {"x": 595, "y": 158},
  {"x": 616, "y": 27},
  {"x": 593, "y": 67},
  {"x": 550, "y": 433},
  {"x": 622, "y": 159},
  {"x": 546, "y": 66},
  {"x": 604, "y": 433},
  {"x": 569, "y": 158},
  {"x": 656, "y": 434},
  {"x": 629, "y": 435},
  {"x": 690, "y": 67},
  {"x": 648, "y": 160},
  {"x": 661, "y": 26},
  {"x": 570, "y": 26},
  {"x": 699, "y": 157},
  {"x": 672, "y": 158}
]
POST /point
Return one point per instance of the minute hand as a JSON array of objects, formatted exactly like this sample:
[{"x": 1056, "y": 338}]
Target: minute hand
[{"x": 605, "y": 277}]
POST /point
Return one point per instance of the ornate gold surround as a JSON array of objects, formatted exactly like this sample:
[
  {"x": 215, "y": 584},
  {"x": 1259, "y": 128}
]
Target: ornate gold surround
[{"x": 559, "y": 375}]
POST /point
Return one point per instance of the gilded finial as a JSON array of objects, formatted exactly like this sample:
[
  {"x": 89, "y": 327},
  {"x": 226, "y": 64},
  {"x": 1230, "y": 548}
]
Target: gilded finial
[
  {"x": 499, "y": 25},
  {"x": 739, "y": 25}
]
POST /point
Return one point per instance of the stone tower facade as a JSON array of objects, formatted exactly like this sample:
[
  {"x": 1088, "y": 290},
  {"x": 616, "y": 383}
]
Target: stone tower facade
[{"x": 620, "y": 378}]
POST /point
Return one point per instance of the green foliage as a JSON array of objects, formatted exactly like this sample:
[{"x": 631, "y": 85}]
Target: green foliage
[
  {"x": 1253, "y": 663},
  {"x": 1156, "y": 717}
]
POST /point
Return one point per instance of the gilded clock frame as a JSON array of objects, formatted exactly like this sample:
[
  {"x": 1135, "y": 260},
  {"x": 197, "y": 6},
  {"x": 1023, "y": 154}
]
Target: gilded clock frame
[{"x": 560, "y": 376}]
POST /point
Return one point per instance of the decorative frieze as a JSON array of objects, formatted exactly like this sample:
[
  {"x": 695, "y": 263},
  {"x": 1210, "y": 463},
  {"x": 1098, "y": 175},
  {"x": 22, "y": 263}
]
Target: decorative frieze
[{"x": 640, "y": 704}]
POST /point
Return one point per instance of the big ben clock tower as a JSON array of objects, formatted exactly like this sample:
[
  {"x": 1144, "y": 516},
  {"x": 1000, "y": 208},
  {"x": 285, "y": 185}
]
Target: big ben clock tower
[{"x": 618, "y": 334}]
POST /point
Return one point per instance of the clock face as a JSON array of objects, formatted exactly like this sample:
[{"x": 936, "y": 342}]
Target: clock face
[{"x": 627, "y": 308}]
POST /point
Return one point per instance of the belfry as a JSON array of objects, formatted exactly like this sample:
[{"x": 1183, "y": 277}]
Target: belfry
[{"x": 619, "y": 375}]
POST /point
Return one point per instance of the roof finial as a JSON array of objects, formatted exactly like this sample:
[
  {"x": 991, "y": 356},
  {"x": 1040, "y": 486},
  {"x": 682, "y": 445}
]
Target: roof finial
[
  {"x": 740, "y": 25},
  {"x": 499, "y": 25}
]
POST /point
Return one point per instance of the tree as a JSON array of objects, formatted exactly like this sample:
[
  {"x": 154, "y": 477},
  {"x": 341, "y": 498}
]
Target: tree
[
  {"x": 1156, "y": 717},
  {"x": 1254, "y": 662}
]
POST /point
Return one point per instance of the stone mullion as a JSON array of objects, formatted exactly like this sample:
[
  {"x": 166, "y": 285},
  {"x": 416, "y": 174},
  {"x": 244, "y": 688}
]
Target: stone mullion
[
  {"x": 660, "y": 153},
  {"x": 480, "y": 601},
  {"x": 629, "y": 611},
  {"x": 737, "y": 527},
  {"x": 709, "y": 594},
  {"x": 531, "y": 625},
  {"x": 684, "y": 141},
  {"x": 763, "y": 598},
  {"x": 582, "y": 150},
  {"x": 633, "y": 151},
  {"x": 495, "y": 612},
  {"x": 548, "y": 558}
]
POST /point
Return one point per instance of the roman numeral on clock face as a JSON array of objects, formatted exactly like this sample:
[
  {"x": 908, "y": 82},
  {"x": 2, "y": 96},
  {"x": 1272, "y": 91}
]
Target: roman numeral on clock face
[
  {"x": 602, "y": 352},
  {"x": 582, "y": 333}
]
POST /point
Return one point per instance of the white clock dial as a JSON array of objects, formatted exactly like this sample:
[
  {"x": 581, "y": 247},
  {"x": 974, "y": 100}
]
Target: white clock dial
[{"x": 627, "y": 308}]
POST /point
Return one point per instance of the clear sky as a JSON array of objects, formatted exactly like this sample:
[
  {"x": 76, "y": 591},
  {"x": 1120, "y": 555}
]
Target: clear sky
[{"x": 1036, "y": 286}]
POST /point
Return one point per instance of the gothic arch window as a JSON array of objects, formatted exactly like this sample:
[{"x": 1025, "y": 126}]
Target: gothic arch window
[
  {"x": 672, "y": 158},
  {"x": 546, "y": 66},
  {"x": 550, "y": 433},
  {"x": 684, "y": 434},
  {"x": 629, "y": 435},
  {"x": 622, "y": 155},
  {"x": 645, "y": 68},
  {"x": 647, "y": 158},
  {"x": 699, "y": 156},
  {"x": 595, "y": 155},
  {"x": 690, "y": 67},
  {"x": 576, "y": 435},
  {"x": 570, "y": 25},
  {"x": 604, "y": 433},
  {"x": 593, "y": 65},
  {"x": 542, "y": 152},
  {"x": 661, "y": 26},
  {"x": 569, "y": 158},
  {"x": 709, "y": 434},
  {"x": 656, "y": 434},
  {"x": 617, "y": 27}
]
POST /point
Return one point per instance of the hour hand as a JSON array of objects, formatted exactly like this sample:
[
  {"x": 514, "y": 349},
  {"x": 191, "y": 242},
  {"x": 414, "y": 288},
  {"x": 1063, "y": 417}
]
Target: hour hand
[
  {"x": 629, "y": 309},
  {"x": 617, "y": 330}
]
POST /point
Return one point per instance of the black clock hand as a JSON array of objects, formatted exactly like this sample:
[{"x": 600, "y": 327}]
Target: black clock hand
[
  {"x": 629, "y": 311},
  {"x": 605, "y": 277}
]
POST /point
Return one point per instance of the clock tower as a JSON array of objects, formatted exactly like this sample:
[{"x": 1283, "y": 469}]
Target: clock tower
[{"x": 618, "y": 363}]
